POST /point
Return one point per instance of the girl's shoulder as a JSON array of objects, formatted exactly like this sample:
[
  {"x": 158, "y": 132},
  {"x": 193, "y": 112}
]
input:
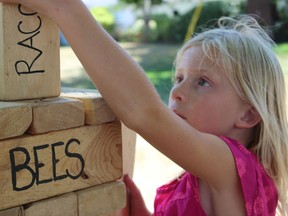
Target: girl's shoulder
[{"x": 259, "y": 191}]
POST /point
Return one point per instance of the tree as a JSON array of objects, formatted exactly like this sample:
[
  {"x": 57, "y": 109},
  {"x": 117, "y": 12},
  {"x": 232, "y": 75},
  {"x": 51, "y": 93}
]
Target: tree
[
  {"x": 146, "y": 8},
  {"x": 266, "y": 9}
]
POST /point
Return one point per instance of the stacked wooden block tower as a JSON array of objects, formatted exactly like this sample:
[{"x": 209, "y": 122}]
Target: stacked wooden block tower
[{"x": 60, "y": 150}]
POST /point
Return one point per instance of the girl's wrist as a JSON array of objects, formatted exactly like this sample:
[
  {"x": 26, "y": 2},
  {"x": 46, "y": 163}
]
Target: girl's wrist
[{"x": 66, "y": 16}]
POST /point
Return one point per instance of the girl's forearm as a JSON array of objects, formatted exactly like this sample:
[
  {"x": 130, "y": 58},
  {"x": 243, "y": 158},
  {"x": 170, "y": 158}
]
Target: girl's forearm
[{"x": 112, "y": 70}]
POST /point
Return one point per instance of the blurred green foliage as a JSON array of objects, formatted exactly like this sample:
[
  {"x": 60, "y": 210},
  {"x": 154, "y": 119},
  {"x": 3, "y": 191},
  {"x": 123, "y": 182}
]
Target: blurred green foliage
[
  {"x": 210, "y": 13},
  {"x": 105, "y": 18},
  {"x": 281, "y": 49},
  {"x": 140, "y": 2},
  {"x": 172, "y": 29},
  {"x": 164, "y": 28}
]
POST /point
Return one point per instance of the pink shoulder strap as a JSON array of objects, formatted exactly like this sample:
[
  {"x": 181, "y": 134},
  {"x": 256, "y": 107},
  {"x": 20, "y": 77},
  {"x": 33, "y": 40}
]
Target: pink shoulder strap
[{"x": 259, "y": 191}]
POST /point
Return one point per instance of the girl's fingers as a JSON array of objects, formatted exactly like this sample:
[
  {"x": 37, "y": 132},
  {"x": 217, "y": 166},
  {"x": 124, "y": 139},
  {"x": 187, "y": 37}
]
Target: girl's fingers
[
  {"x": 133, "y": 189},
  {"x": 53, "y": 9}
]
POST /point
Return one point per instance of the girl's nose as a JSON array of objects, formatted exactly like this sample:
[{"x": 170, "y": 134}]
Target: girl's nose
[{"x": 178, "y": 94}]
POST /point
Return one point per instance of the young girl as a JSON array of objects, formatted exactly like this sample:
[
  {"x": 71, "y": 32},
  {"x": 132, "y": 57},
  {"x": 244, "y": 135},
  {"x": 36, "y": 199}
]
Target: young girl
[{"x": 226, "y": 121}]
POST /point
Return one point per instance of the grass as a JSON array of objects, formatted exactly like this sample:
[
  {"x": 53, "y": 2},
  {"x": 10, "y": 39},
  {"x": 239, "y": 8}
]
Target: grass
[
  {"x": 162, "y": 83},
  {"x": 282, "y": 53},
  {"x": 282, "y": 49}
]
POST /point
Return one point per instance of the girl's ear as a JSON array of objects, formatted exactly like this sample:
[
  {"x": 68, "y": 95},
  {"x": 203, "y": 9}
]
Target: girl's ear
[{"x": 250, "y": 118}]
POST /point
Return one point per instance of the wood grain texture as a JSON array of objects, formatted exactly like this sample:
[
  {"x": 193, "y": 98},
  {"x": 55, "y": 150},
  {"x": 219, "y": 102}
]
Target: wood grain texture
[
  {"x": 96, "y": 109},
  {"x": 53, "y": 114},
  {"x": 42, "y": 166},
  {"x": 29, "y": 54},
  {"x": 16, "y": 211},
  {"x": 56, "y": 206},
  {"x": 108, "y": 214},
  {"x": 102, "y": 200},
  {"x": 15, "y": 118},
  {"x": 128, "y": 150}
]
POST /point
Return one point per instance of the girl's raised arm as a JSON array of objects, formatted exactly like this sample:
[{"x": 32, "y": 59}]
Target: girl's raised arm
[{"x": 131, "y": 95}]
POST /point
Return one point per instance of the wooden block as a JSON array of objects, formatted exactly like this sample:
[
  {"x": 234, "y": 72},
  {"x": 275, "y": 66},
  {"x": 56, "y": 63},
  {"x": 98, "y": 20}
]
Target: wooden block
[
  {"x": 53, "y": 114},
  {"x": 96, "y": 109},
  {"x": 128, "y": 150},
  {"x": 108, "y": 214},
  {"x": 102, "y": 199},
  {"x": 42, "y": 166},
  {"x": 57, "y": 206},
  {"x": 16, "y": 211},
  {"x": 29, "y": 54},
  {"x": 15, "y": 119}
]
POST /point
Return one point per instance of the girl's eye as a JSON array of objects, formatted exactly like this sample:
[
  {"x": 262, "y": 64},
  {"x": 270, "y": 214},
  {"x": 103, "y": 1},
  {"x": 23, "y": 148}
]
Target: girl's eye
[
  {"x": 203, "y": 83},
  {"x": 178, "y": 79}
]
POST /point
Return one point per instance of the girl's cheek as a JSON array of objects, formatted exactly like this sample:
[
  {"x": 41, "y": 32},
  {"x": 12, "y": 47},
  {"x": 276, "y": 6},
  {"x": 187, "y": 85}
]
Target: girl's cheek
[{"x": 170, "y": 101}]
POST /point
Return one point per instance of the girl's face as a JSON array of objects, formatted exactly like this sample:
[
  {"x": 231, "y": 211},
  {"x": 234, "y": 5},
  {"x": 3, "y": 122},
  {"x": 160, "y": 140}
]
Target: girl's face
[{"x": 203, "y": 96}]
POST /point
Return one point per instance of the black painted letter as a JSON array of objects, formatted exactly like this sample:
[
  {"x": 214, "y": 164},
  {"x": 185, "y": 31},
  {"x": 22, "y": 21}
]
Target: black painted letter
[
  {"x": 39, "y": 165},
  {"x": 75, "y": 155},
  {"x": 55, "y": 161},
  {"x": 16, "y": 168}
]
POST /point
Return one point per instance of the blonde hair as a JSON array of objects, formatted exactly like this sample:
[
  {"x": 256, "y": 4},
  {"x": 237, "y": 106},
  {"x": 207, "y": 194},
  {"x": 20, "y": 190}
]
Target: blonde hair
[{"x": 246, "y": 52}]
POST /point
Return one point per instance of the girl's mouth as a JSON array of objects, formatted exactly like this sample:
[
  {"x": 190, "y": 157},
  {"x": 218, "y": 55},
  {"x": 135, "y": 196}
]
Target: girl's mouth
[{"x": 181, "y": 116}]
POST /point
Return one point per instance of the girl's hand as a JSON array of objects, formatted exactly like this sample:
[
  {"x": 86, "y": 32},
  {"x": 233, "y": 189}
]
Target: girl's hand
[
  {"x": 50, "y": 8},
  {"x": 135, "y": 202}
]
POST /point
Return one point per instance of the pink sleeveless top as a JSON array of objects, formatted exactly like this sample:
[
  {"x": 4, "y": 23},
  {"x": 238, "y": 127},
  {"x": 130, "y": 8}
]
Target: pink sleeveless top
[{"x": 181, "y": 196}]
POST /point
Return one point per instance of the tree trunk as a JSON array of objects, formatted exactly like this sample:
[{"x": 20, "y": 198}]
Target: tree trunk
[
  {"x": 265, "y": 9},
  {"x": 146, "y": 17},
  {"x": 261, "y": 8}
]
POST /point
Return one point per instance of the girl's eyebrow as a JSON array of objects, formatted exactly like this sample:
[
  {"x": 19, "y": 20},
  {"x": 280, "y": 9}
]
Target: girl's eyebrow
[
  {"x": 212, "y": 73},
  {"x": 179, "y": 70}
]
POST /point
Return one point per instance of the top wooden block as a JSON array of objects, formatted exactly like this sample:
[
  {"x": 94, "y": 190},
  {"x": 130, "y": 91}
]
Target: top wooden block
[{"x": 29, "y": 54}]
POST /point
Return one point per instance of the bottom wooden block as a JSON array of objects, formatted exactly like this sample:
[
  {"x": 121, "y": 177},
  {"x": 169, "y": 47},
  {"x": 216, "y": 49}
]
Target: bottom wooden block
[
  {"x": 16, "y": 211},
  {"x": 41, "y": 166},
  {"x": 101, "y": 200},
  {"x": 57, "y": 206},
  {"x": 109, "y": 214}
]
